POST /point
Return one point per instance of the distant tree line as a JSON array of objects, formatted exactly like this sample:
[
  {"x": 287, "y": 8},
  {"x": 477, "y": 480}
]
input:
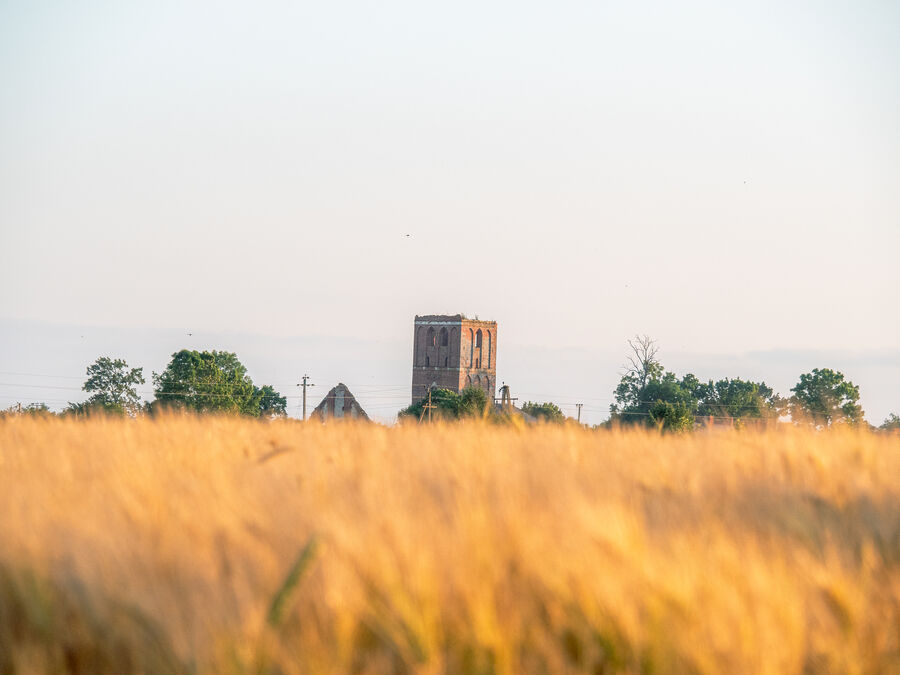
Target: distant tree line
[
  {"x": 647, "y": 395},
  {"x": 201, "y": 382},
  {"x": 473, "y": 403}
]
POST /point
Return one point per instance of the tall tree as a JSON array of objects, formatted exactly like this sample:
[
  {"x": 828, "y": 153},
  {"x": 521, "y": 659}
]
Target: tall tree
[
  {"x": 215, "y": 382},
  {"x": 111, "y": 384},
  {"x": 649, "y": 395},
  {"x": 823, "y": 398},
  {"x": 642, "y": 368}
]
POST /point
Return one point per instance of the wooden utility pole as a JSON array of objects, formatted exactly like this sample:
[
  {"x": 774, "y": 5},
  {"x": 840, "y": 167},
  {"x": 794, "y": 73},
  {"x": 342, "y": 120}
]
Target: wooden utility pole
[
  {"x": 428, "y": 406},
  {"x": 305, "y": 384},
  {"x": 578, "y": 405}
]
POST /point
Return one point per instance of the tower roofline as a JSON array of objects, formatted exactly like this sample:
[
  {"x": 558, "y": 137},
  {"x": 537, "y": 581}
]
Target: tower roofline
[
  {"x": 448, "y": 319},
  {"x": 439, "y": 317}
]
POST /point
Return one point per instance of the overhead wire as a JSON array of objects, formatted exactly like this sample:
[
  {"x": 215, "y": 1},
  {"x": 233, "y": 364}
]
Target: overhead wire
[{"x": 369, "y": 391}]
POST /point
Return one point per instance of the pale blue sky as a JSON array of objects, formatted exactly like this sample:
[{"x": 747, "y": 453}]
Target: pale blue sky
[{"x": 723, "y": 177}]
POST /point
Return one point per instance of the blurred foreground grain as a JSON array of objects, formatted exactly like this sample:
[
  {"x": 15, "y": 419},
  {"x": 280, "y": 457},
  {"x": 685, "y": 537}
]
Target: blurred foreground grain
[{"x": 225, "y": 545}]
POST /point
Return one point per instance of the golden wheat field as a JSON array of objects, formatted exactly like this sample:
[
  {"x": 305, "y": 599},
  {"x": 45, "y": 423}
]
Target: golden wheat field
[{"x": 229, "y": 546}]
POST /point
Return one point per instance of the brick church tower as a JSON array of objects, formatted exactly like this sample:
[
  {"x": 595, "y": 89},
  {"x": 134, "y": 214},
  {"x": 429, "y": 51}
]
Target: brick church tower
[{"x": 453, "y": 352}]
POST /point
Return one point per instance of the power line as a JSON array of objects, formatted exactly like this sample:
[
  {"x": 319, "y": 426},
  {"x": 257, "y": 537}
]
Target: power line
[
  {"x": 35, "y": 400},
  {"x": 368, "y": 391},
  {"x": 62, "y": 377},
  {"x": 384, "y": 393},
  {"x": 37, "y": 386}
]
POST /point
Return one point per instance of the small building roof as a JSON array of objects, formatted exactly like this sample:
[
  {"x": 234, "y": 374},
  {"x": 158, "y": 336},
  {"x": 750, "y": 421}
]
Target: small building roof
[{"x": 339, "y": 403}]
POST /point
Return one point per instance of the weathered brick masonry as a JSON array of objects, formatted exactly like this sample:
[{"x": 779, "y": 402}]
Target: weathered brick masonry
[
  {"x": 453, "y": 352},
  {"x": 339, "y": 403}
]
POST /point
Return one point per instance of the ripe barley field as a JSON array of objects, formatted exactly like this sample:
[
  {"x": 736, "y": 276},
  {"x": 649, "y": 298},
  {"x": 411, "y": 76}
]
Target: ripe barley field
[{"x": 221, "y": 545}]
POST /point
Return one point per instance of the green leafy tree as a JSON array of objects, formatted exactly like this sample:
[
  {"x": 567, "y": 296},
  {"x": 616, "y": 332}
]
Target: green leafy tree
[
  {"x": 472, "y": 402},
  {"x": 642, "y": 368},
  {"x": 445, "y": 402},
  {"x": 670, "y": 403},
  {"x": 213, "y": 382},
  {"x": 112, "y": 388},
  {"x": 891, "y": 423},
  {"x": 677, "y": 416},
  {"x": 739, "y": 399},
  {"x": 86, "y": 410},
  {"x": 823, "y": 398},
  {"x": 649, "y": 395},
  {"x": 545, "y": 412},
  {"x": 271, "y": 403}
]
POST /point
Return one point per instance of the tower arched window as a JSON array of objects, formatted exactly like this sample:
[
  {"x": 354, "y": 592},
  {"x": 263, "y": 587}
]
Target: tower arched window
[
  {"x": 478, "y": 338},
  {"x": 431, "y": 341},
  {"x": 445, "y": 337},
  {"x": 471, "y": 348},
  {"x": 420, "y": 345},
  {"x": 490, "y": 344}
]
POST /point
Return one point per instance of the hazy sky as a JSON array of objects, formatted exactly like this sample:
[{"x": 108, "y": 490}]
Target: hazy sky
[{"x": 723, "y": 178}]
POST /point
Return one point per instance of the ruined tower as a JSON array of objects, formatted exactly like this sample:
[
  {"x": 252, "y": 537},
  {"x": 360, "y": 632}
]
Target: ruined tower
[{"x": 453, "y": 352}]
